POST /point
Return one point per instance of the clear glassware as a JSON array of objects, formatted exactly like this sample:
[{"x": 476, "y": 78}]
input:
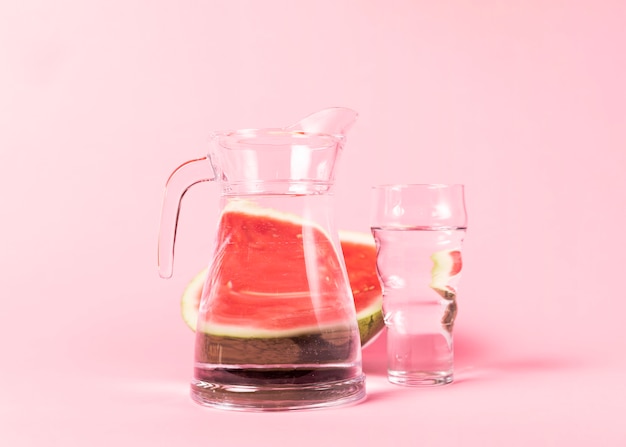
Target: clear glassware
[
  {"x": 277, "y": 328},
  {"x": 419, "y": 231}
]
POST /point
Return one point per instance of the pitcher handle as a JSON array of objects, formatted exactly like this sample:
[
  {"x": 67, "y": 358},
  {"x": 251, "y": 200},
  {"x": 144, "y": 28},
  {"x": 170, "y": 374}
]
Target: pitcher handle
[{"x": 179, "y": 182}]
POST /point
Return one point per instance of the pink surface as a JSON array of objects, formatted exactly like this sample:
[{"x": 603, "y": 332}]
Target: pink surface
[{"x": 524, "y": 102}]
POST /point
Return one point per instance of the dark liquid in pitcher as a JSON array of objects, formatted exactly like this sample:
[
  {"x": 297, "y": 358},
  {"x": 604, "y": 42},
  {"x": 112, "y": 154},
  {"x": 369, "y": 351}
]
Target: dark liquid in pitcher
[{"x": 297, "y": 360}]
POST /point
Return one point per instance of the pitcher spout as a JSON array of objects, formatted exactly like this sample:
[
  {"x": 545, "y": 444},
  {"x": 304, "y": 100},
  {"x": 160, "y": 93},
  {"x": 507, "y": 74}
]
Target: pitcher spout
[{"x": 333, "y": 121}]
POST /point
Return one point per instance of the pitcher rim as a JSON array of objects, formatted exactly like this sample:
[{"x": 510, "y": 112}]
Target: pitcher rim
[{"x": 269, "y": 132}]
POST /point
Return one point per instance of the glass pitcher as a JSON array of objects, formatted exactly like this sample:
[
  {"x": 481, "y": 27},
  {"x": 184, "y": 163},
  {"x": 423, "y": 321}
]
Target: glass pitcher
[{"x": 277, "y": 327}]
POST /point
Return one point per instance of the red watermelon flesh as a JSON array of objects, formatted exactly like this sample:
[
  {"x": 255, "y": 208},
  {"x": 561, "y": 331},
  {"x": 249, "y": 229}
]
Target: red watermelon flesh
[{"x": 276, "y": 275}]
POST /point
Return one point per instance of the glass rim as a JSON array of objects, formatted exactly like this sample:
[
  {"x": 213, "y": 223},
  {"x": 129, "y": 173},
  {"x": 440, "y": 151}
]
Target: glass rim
[{"x": 418, "y": 185}]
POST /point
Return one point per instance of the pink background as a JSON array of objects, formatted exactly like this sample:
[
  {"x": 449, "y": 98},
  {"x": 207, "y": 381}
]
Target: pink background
[{"x": 524, "y": 102}]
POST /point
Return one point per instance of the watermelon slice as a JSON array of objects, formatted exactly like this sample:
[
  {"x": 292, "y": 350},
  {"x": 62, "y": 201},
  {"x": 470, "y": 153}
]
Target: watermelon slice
[
  {"x": 446, "y": 265},
  {"x": 257, "y": 245}
]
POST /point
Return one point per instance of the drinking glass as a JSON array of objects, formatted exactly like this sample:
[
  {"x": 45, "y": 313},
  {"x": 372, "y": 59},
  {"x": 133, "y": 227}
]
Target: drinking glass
[{"x": 419, "y": 231}]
